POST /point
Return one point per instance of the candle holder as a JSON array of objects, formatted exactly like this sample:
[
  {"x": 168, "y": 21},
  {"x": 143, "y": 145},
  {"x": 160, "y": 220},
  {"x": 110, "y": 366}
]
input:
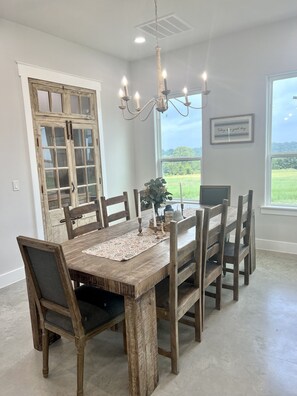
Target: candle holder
[
  {"x": 140, "y": 226},
  {"x": 162, "y": 229},
  {"x": 182, "y": 210},
  {"x": 159, "y": 230}
]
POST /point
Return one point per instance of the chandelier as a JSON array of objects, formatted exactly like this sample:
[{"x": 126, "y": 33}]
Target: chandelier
[{"x": 162, "y": 99}]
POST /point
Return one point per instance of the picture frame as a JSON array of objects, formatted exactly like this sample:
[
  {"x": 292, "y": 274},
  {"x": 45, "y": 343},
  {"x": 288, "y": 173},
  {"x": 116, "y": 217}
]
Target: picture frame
[{"x": 233, "y": 129}]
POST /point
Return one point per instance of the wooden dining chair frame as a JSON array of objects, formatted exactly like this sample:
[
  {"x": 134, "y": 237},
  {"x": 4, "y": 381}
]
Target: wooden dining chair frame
[
  {"x": 239, "y": 250},
  {"x": 57, "y": 303},
  {"x": 175, "y": 296},
  {"x": 75, "y": 214},
  {"x": 213, "y": 239},
  {"x": 122, "y": 214}
]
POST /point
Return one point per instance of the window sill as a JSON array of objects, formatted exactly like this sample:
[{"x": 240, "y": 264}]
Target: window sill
[{"x": 279, "y": 210}]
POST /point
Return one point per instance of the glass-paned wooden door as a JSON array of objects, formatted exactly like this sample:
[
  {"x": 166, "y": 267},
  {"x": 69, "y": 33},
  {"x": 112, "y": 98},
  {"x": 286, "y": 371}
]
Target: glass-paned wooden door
[
  {"x": 55, "y": 164},
  {"x": 84, "y": 142},
  {"x": 67, "y": 149}
]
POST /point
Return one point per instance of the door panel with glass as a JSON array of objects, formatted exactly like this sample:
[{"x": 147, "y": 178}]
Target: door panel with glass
[{"x": 67, "y": 148}]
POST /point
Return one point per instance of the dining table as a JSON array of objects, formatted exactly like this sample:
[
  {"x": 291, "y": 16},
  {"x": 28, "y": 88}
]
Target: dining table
[{"x": 134, "y": 278}]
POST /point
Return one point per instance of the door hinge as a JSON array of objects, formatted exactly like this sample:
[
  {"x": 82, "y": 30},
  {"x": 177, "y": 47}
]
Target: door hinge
[
  {"x": 37, "y": 142},
  {"x": 71, "y": 130},
  {"x": 67, "y": 130},
  {"x": 41, "y": 189}
]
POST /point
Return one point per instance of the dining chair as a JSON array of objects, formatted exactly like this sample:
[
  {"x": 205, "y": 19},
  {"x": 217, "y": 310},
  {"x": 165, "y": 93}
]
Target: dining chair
[
  {"x": 214, "y": 195},
  {"x": 77, "y": 315},
  {"x": 213, "y": 237},
  {"x": 75, "y": 214},
  {"x": 121, "y": 214},
  {"x": 174, "y": 295},
  {"x": 143, "y": 206},
  {"x": 239, "y": 250}
]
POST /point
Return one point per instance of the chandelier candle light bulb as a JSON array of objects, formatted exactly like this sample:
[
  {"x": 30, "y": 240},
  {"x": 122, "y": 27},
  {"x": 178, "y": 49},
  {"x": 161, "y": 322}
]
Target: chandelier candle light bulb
[
  {"x": 204, "y": 77},
  {"x": 185, "y": 91},
  {"x": 121, "y": 95},
  {"x": 137, "y": 100},
  {"x": 125, "y": 85}
]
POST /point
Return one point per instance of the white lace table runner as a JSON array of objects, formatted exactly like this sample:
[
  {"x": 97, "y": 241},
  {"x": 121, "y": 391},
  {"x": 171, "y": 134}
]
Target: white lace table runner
[{"x": 126, "y": 246}]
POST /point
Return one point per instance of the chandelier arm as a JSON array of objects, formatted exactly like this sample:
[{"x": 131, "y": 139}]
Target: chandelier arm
[
  {"x": 202, "y": 107},
  {"x": 151, "y": 102},
  {"x": 149, "y": 113},
  {"x": 191, "y": 107},
  {"x": 130, "y": 111},
  {"x": 136, "y": 113},
  {"x": 178, "y": 100},
  {"x": 183, "y": 115}
]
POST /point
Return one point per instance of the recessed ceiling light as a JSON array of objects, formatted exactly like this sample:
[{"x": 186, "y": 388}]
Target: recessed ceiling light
[{"x": 139, "y": 40}]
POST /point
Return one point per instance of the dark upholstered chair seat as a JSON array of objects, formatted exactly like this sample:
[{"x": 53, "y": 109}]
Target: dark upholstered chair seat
[{"x": 96, "y": 307}]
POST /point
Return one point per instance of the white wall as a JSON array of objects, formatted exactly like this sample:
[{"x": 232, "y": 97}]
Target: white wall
[
  {"x": 18, "y": 43},
  {"x": 237, "y": 66}
]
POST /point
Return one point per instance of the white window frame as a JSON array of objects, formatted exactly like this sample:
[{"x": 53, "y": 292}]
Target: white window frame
[
  {"x": 270, "y": 208},
  {"x": 159, "y": 159}
]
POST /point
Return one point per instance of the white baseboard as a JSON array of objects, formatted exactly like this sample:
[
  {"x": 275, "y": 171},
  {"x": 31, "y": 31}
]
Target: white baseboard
[
  {"x": 12, "y": 277},
  {"x": 276, "y": 246}
]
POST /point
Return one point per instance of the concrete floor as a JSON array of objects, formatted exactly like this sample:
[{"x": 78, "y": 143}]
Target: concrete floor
[{"x": 248, "y": 348}]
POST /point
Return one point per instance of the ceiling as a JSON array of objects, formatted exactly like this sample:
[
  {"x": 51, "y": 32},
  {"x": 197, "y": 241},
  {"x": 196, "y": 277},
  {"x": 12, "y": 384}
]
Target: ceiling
[{"x": 111, "y": 25}]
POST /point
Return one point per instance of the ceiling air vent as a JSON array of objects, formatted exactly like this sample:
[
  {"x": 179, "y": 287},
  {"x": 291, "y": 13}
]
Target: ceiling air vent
[{"x": 168, "y": 26}]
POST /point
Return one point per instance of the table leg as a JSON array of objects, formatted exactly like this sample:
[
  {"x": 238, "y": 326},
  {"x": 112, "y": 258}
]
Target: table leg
[{"x": 142, "y": 345}]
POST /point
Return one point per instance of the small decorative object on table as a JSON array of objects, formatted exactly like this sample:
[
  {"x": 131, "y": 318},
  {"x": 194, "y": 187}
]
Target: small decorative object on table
[
  {"x": 181, "y": 200},
  {"x": 139, "y": 217},
  {"x": 139, "y": 226},
  {"x": 154, "y": 196}
]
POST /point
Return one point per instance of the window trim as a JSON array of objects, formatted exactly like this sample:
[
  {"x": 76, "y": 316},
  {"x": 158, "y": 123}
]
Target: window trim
[
  {"x": 269, "y": 207},
  {"x": 158, "y": 146}
]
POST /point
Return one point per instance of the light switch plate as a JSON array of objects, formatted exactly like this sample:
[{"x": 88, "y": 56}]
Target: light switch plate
[{"x": 16, "y": 185}]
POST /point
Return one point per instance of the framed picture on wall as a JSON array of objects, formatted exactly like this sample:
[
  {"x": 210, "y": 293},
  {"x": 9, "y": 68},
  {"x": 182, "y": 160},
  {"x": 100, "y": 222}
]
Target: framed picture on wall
[{"x": 233, "y": 129}]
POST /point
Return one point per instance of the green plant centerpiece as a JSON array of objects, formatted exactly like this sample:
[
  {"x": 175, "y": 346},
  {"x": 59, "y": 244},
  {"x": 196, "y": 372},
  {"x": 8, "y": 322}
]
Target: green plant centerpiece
[{"x": 155, "y": 193}]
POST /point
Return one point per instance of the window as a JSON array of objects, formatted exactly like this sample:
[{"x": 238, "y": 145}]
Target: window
[
  {"x": 282, "y": 141},
  {"x": 180, "y": 149}
]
